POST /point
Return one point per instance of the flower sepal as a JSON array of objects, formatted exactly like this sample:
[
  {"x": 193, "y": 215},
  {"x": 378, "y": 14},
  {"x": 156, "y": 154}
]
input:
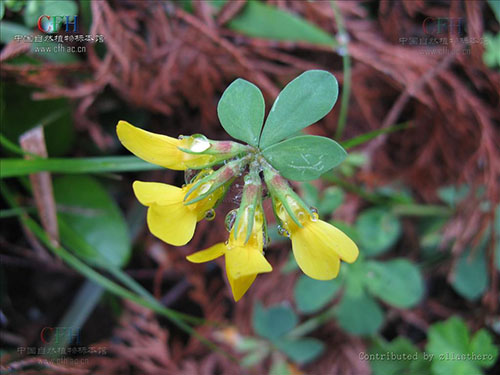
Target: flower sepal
[
  {"x": 282, "y": 193},
  {"x": 204, "y": 186}
]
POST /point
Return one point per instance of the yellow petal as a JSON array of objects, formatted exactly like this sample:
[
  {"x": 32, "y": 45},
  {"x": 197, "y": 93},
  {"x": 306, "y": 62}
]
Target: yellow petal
[
  {"x": 240, "y": 285},
  {"x": 149, "y": 193},
  {"x": 154, "y": 148},
  {"x": 336, "y": 240},
  {"x": 313, "y": 256},
  {"x": 173, "y": 224},
  {"x": 209, "y": 254},
  {"x": 244, "y": 261}
]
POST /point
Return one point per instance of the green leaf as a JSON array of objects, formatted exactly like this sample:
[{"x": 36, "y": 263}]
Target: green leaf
[
  {"x": 449, "y": 342},
  {"x": 363, "y": 138},
  {"x": 333, "y": 197},
  {"x": 241, "y": 111},
  {"x": 264, "y": 21},
  {"x": 397, "y": 357},
  {"x": 360, "y": 315},
  {"x": 482, "y": 342},
  {"x": 312, "y": 295},
  {"x": 378, "y": 230},
  {"x": 304, "y": 158},
  {"x": 274, "y": 322},
  {"x": 2, "y": 10},
  {"x": 470, "y": 276},
  {"x": 301, "y": 350},
  {"x": 91, "y": 217},
  {"x": 279, "y": 367},
  {"x": 22, "y": 113},
  {"x": 60, "y": 7},
  {"x": 305, "y": 100},
  {"x": 22, "y": 167},
  {"x": 452, "y": 195},
  {"x": 495, "y": 7},
  {"x": 397, "y": 282},
  {"x": 254, "y": 357},
  {"x": 32, "y": 11}
]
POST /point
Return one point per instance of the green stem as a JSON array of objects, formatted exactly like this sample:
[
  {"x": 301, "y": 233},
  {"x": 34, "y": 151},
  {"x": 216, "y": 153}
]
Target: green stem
[
  {"x": 312, "y": 324},
  {"x": 346, "y": 62}
]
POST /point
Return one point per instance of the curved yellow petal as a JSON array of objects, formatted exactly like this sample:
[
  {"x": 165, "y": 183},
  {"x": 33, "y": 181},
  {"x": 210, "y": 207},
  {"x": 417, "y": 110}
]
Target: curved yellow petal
[
  {"x": 173, "y": 224},
  {"x": 209, "y": 254},
  {"x": 313, "y": 256},
  {"x": 154, "y": 148},
  {"x": 336, "y": 240},
  {"x": 244, "y": 261},
  {"x": 149, "y": 193},
  {"x": 240, "y": 285}
]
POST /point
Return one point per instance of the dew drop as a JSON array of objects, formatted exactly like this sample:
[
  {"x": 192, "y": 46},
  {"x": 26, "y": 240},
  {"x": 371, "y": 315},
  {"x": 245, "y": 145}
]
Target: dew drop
[
  {"x": 230, "y": 218},
  {"x": 198, "y": 143},
  {"x": 210, "y": 214},
  {"x": 283, "y": 232},
  {"x": 189, "y": 175},
  {"x": 314, "y": 216},
  {"x": 204, "y": 188}
]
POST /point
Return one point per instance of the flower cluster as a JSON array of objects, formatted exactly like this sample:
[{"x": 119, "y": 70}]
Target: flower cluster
[{"x": 173, "y": 211}]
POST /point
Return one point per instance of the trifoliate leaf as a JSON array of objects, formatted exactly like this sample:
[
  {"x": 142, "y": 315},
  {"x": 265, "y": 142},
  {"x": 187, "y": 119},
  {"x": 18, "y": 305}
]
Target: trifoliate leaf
[
  {"x": 359, "y": 315},
  {"x": 274, "y": 322}
]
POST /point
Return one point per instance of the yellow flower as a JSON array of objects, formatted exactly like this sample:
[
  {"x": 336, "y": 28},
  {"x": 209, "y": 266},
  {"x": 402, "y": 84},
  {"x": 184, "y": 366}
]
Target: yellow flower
[
  {"x": 169, "y": 218},
  {"x": 317, "y": 246},
  {"x": 244, "y": 260},
  {"x": 166, "y": 151}
]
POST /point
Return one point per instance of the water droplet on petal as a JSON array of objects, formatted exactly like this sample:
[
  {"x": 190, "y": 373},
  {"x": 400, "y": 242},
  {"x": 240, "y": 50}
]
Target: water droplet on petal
[
  {"x": 230, "y": 218},
  {"x": 315, "y": 215},
  {"x": 283, "y": 232},
  {"x": 210, "y": 214}
]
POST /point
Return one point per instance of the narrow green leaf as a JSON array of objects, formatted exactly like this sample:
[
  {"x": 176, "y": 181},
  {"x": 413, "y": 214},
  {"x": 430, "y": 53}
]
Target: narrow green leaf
[
  {"x": 22, "y": 167},
  {"x": 312, "y": 295},
  {"x": 274, "y": 322},
  {"x": 241, "y": 111},
  {"x": 304, "y": 158},
  {"x": 378, "y": 230},
  {"x": 359, "y": 315},
  {"x": 397, "y": 282},
  {"x": 90, "y": 215},
  {"x": 363, "y": 138},
  {"x": 301, "y": 350},
  {"x": 305, "y": 100},
  {"x": 267, "y": 22}
]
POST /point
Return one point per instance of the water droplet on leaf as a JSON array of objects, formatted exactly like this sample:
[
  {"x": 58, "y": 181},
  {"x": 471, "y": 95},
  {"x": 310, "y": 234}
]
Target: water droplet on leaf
[
  {"x": 230, "y": 218},
  {"x": 210, "y": 214}
]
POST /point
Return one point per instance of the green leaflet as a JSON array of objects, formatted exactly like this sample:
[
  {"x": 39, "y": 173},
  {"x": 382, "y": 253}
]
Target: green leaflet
[
  {"x": 241, "y": 111},
  {"x": 397, "y": 282},
  {"x": 311, "y": 295},
  {"x": 267, "y": 22},
  {"x": 305, "y": 100},
  {"x": 305, "y": 157},
  {"x": 90, "y": 221}
]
